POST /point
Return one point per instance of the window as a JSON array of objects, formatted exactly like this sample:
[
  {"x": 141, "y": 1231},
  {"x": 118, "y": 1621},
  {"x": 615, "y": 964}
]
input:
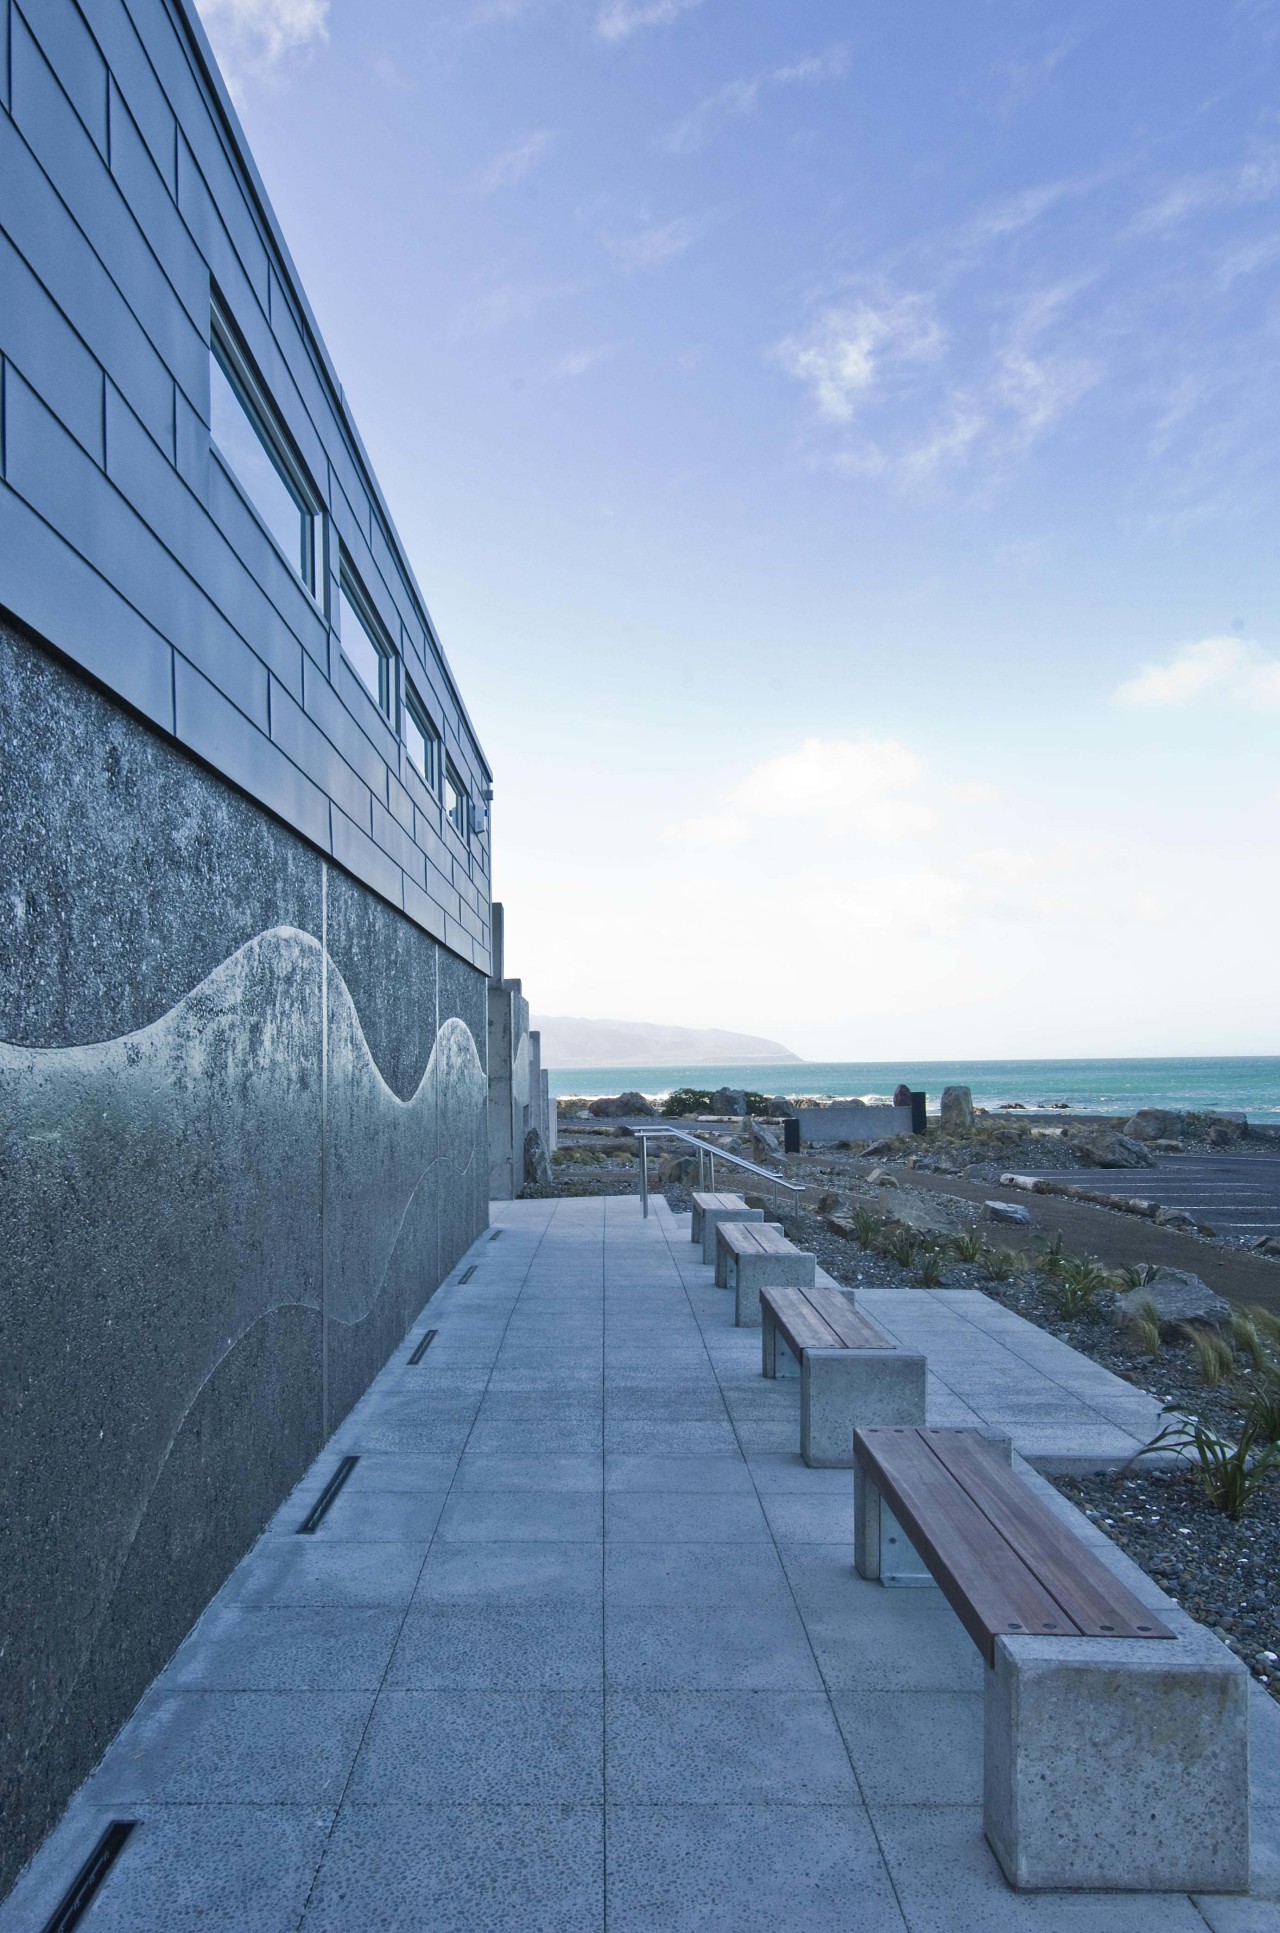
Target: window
[
  {"x": 456, "y": 800},
  {"x": 422, "y": 739},
  {"x": 256, "y": 447},
  {"x": 364, "y": 643}
]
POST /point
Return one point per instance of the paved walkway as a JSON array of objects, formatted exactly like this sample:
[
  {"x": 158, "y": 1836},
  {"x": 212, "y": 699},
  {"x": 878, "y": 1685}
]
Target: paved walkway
[{"x": 580, "y": 1644}]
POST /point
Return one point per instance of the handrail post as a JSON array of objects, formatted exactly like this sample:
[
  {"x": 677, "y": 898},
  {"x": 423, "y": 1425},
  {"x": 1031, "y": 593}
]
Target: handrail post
[
  {"x": 712, "y": 1160},
  {"x": 644, "y": 1175}
]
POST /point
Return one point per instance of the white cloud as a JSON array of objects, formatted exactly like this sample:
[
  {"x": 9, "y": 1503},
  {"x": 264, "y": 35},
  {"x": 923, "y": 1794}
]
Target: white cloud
[
  {"x": 253, "y": 37},
  {"x": 622, "y": 18},
  {"x": 508, "y": 302},
  {"x": 839, "y": 786},
  {"x": 514, "y": 163},
  {"x": 737, "y": 99},
  {"x": 1255, "y": 181},
  {"x": 1222, "y": 667},
  {"x": 650, "y": 247},
  {"x": 848, "y": 350},
  {"x": 576, "y": 362}
]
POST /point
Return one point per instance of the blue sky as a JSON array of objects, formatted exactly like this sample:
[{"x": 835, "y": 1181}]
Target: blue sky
[{"x": 839, "y": 449}]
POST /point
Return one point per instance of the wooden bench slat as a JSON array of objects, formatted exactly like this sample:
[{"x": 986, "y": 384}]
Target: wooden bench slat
[
  {"x": 718, "y": 1201},
  {"x": 986, "y": 1583},
  {"x": 802, "y": 1324},
  {"x": 754, "y": 1238},
  {"x": 1091, "y": 1596},
  {"x": 853, "y": 1329}
]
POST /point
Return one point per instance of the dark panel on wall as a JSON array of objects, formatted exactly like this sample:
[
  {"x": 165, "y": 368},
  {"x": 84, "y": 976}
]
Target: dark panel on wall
[
  {"x": 111, "y": 841},
  {"x": 212, "y": 1230}
]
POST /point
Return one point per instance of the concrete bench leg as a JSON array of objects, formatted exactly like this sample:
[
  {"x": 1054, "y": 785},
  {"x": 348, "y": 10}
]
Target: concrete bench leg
[
  {"x": 843, "y": 1390},
  {"x": 1118, "y": 1763},
  {"x": 711, "y": 1219},
  {"x": 751, "y": 1273}
]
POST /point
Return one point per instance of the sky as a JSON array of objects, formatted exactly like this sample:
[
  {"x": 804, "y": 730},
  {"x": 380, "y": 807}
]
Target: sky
[{"x": 840, "y": 450}]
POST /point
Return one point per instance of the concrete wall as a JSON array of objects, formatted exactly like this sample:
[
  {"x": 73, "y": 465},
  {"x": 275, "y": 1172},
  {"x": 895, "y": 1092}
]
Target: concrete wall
[
  {"x": 830, "y": 1124},
  {"x": 243, "y": 1107},
  {"x": 127, "y": 194},
  {"x": 243, "y": 952}
]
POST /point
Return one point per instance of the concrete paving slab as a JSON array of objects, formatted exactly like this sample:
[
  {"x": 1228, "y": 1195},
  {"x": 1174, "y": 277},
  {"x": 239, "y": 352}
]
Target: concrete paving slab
[
  {"x": 744, "y": 1747},
  {"x": 457, "y": 1868},
  {"x": 583, "y": 1518},
  {"x": 482, "y": 1747},
  {"x": 746, "y": 1869}
]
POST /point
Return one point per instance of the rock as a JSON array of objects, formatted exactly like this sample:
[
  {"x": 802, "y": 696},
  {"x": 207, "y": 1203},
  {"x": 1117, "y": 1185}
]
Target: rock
[
  {"x": 1008, "y": 1211},
  {"x": 883, "y": 1146},
  {"x": 881, "y": 1178},
  {"x": 766, "y": 1139},
  {"x": 926, "y": 1214},
  {"x": 1178, "y": 1297},
  {"x": 1153, "y": 1124},
  {"x": 981, "y": 1171},
  {"x": 1266, "y": 1245},
  {"x": 779, "y": 1105},
  {"x": 956, "y": 1110},
  {"x": 1175, "y": 1218},
  {"x": 1166, "y": 1145},
  {"x": 615, "y": 1107},
  {"x": 537, "y": 1169},
  {"x": 902, "y": 1095},
  {"x": 1102, "y": 1148},
  {"x": 729, "y": 1100}
]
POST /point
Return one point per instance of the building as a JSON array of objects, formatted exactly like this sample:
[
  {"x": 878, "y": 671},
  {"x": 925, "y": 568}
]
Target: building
[{"x": 245, "y": 950}]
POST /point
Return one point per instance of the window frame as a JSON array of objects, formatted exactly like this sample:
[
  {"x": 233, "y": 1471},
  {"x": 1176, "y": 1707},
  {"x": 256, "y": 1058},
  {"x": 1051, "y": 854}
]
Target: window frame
[
  {"x": 228, "y": 350},
  {"x": 433, "y": 739},
  {"x": 460, "y": 817},
  {"x": 352, "y": 589}
]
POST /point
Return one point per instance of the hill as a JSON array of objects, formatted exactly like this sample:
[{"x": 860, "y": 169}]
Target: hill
[{"x": 642, "y": 1043}]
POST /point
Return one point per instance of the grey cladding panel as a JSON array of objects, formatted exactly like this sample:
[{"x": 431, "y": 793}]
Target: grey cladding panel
[{"x": 127, "y": 195}]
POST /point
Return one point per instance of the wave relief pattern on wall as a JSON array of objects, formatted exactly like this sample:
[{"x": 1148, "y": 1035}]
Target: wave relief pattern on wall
[{"x": 168, "y": 1197}]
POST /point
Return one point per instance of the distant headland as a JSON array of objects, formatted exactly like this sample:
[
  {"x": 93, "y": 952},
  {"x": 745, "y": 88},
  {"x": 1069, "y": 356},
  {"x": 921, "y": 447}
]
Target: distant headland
[{"x": 634, "y": 1043}]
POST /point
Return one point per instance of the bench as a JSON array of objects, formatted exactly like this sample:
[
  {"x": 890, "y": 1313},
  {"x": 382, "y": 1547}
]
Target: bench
[
  {"x": 851, "y": 1374},
  {"x": 751, "y": 1254},
  {"x": 710, "y": 1210},
  {"x": 1116, "y": 1751}
]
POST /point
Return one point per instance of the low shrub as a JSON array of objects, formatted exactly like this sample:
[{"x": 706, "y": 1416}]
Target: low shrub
[{"x": 1229, "y": 1473}]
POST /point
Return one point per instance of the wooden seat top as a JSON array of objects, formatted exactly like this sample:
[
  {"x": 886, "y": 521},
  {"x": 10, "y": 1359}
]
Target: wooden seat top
[
  {"x": 822, "y": 1319},
  {"x": 754, "y": 1238},
  {"x": 1005, "y": 1563},
  {"x": 705, "y": 1201}
]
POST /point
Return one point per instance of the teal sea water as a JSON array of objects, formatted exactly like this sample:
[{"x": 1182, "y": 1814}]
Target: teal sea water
[{"x": 1251, "y": 1084}]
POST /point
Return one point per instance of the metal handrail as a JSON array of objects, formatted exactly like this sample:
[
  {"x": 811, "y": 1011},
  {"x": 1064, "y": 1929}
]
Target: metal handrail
[{"x": 708, "y": 1155}]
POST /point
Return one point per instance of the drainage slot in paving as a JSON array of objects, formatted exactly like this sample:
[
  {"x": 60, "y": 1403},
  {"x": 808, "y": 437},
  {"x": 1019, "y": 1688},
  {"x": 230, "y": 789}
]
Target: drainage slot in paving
[
  {"x": 83, "y": 1888},
  {"x": 320, "y": 1508},
  {"x": 467, "y": 1273},
  {"x": 495, "y": 1234},
  {"x": 424, "y": 1345}
]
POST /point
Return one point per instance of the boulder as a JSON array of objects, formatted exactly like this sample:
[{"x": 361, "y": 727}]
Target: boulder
[
  {"x": 902, "y": 1095},
  {"x": 926, "y": 1214},
  {"x": 765, "y": 1138},
  {"x": 537, "y": 1169},
  {"x": 1153, "y": 1124},
  {"x": 1179, "y": 1297},
  {"x": 1103, "y": 1148},
  {"x": 1266, "y": 1245},
  {"x": 1175, "y": 1218},
  {"x": 956, "y": 1110},
  {"x": 729, "y": 1100},
  {"x": 780, "y": 1106},
  {"x": 617, "y": 1106},
  {"x": 1008, "y": 1211},
  {"x": 881, "y": 1178}
]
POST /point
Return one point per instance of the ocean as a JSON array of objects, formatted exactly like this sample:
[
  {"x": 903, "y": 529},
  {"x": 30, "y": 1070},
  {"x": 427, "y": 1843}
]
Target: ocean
[{"x": 1247, "y": 1083}]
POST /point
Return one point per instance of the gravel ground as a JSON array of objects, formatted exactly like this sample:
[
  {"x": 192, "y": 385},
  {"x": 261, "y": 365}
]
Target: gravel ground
[{"x": 1226, "y": 1575}]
